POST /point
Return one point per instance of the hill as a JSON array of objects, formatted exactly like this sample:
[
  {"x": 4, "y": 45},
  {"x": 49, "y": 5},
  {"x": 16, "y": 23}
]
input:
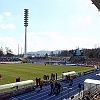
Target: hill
[{"x": 44, "y": 52}]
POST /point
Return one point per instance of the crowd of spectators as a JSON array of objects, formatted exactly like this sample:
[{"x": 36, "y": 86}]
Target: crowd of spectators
[{"x": 9, "y": 59}]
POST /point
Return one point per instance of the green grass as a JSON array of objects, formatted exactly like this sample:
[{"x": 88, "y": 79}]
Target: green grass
[{"x": 10, "y": 72}]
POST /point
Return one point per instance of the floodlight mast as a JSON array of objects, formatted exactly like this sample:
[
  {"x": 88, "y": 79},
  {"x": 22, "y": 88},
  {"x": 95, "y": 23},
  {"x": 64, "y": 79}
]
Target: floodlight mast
[{"x": 25, "y": 24}]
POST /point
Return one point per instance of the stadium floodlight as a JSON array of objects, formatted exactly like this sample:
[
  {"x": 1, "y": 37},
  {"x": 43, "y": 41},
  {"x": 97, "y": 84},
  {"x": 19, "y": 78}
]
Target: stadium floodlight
[
  {"x": 25, "y": 17},
  {"x": 96, "y": 3},
  {"x": 25, "y": 24}
]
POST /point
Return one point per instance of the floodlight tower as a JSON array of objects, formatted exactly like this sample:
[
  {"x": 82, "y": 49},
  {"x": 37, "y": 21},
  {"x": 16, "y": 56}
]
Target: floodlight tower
[{"x": 25, "y": 24}]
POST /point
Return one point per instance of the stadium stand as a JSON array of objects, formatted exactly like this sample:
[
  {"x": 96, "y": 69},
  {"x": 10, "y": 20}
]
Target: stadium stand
[
  {"x": 17, "y": 91},
  {"x": 4, "y": 60}
]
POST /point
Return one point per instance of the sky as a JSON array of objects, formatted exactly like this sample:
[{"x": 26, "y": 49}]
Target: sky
[{"x": 53, "y": 25}]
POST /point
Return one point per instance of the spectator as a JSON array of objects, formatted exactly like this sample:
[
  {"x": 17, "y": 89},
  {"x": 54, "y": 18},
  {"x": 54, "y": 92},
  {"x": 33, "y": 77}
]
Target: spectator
[
  {"x": 56, "y": 83},
  {"x": 0, "y": 77},
  {"x": 47, "y": 77},
  {"x": 41, "y": 84},
  {"x": 71, "y": 79},
  {"x": 66, "y": 77},
  {"x": 58, "y": 87},
  {"x": 36, "y": 82},
  {"x": 56, "y": 76},
  {"x": 79, "y": 86},
  {"x": 39, "y": 81},
  {"x": 51, "y": 76},
  {"x": 52, "y": 87},
  {"x": 18, "y": 79}
]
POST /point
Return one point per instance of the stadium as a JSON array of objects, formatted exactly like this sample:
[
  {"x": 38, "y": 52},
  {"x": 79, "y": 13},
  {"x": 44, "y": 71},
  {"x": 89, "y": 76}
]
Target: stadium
[
  {"x": 51, "y": 77},
  {"x": 21, "y": 77}
]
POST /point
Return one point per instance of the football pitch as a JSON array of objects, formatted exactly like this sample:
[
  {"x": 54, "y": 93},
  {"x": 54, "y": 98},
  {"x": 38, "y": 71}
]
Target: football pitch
[{"x": 10, "y": 72}]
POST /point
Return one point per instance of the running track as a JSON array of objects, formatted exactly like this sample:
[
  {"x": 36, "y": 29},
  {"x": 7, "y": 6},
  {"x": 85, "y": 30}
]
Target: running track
[{"x": 43, "y": 94}]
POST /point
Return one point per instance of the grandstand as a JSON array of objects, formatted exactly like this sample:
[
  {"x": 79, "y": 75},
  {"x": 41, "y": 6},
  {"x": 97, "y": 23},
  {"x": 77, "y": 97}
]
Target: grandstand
[{"x": 10, "y": 60}]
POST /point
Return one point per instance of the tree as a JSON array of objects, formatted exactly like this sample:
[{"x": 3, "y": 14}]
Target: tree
[
  {"x": 58, "y": 54},
  {"x": 46, "y": 55},
  {"x": 51, "y": 53},
  {"x": 91, "y": 55},
  {"x": 8, "y": 51},
  {"x": 1, "y": 51},
  {"x": 64, "y": 53}
]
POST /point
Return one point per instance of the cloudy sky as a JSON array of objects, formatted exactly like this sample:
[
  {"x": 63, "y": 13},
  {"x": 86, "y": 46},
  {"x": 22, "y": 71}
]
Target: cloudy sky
[{"x": 53, "y": 25}]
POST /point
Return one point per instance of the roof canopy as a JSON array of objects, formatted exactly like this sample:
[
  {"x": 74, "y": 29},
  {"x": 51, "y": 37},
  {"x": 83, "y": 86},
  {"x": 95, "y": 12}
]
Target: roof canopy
[
  {"x": 69, "y": 73},
  {"x": 96, "y": 3},
  {"x": 91, "y": 81},
  {"x": 15, "y": 84}
]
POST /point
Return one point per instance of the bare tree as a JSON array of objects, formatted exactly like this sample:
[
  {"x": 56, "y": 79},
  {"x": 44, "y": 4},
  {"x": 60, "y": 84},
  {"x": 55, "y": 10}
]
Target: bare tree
[
  {"x": 8, "y": 51},
  {"x": 1, "y": 51}
]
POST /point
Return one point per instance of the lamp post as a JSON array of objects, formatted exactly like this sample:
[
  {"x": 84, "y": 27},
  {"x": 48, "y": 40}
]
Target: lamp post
[{"x": 25, "y": 24}]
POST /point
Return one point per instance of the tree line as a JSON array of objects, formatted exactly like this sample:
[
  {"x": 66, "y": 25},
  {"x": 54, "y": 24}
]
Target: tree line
[
  {"x": 6, "y": 52},
  {"x": 89, "y": 53}
]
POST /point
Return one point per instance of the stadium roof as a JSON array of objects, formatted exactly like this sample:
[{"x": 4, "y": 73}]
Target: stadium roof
[{"x": 96, "y": 3}]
